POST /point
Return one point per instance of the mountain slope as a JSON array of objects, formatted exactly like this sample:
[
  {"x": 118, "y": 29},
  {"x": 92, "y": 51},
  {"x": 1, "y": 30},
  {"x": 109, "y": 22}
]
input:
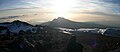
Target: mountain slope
[
  {"x": 65, "y": 23},
  {"x": 17, "y": 26}
]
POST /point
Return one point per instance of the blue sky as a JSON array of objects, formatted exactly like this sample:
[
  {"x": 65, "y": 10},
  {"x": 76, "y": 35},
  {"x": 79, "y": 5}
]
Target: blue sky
[
  {"x": 7, "y": 4},
  {"x": 111, "y": 5},
  {"x": 102, "y": 8}
]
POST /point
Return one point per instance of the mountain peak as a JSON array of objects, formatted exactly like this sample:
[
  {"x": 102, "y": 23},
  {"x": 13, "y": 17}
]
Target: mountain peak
[
  {"x": 60, "y": 19},
  {"x": 17, "y": 21},
  {"x": 20, "y": 22}
]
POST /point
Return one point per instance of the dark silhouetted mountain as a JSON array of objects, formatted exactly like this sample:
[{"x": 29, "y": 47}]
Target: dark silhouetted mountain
[
  {"x": 65, "y": 23},
  {"x": 17, "y": 26}
]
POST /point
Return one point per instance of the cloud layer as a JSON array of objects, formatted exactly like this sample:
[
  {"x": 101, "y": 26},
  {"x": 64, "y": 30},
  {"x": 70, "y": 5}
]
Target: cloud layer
[{"x": 102, "y": 8}]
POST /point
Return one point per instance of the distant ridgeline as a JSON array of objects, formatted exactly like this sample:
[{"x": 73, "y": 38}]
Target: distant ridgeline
[{"x": 65, "y": 23}]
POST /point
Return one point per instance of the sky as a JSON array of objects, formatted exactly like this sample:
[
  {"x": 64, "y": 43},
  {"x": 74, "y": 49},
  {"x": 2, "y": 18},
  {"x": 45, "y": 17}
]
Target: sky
[{"x": 45, "y": 10}]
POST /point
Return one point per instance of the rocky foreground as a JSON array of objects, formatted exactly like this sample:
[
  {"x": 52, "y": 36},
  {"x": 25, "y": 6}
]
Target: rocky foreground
[{"x": 48, "y": 39}]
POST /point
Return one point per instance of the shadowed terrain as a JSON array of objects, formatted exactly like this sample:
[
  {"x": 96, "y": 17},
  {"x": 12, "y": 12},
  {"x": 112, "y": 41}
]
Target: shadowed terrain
[{"x": 49, "y": 39}]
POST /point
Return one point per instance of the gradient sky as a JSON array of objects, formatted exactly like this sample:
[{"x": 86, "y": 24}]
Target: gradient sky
[{"x": 76, "y": 10}]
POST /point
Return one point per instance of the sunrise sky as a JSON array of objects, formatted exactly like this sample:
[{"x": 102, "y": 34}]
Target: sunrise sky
[{"x": 76, "y": 10}]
